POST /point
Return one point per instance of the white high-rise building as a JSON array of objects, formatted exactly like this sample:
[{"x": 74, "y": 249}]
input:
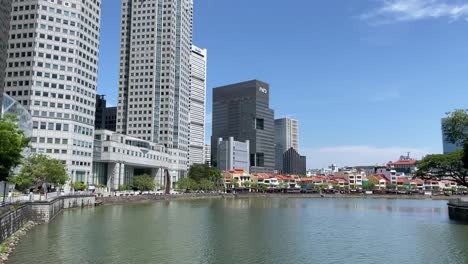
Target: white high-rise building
[
  {"x": 197, "y": 105},
  {"x": 286, "y": 137},
  {"x": 207, "y": 154},
  {"x": 52, "y": 71},
  {"x": 154, "y": 77}
]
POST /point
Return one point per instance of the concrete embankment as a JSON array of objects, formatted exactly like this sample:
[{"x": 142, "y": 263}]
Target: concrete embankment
[
  {"x": 18, "y": 219},
  {"x": 149, "y": 198},
  {"x": 458, "y": 209}
]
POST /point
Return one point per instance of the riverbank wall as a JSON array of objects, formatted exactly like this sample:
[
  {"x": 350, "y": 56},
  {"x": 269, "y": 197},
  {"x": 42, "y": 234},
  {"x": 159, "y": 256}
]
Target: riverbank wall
[
  {"x": 148, "y": 198},
  {"x": 16, "y": 216},
  {"x": 458, "y": 209},
  {"x": 45, "y": 211}
]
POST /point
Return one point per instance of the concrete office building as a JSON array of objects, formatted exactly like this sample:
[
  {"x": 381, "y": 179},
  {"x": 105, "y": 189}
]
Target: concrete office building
[
  {"x": 197, "y": 105},
  {"x": 154, "y": 77},
  {"x": 51, "y": 70},
  {"x": 242, "y": 111},
  {"x": 5, "y": 11},
  {"x": 207, "y": 154},
  {"x": 286, "y": 137},
  {"x": 117, "y": 157},
  {"x": 105, "y": 117},
  {"x": 233, "y": 155},
  {"x": 448, "y": 147},
  {"x": 293, "y": 163}
]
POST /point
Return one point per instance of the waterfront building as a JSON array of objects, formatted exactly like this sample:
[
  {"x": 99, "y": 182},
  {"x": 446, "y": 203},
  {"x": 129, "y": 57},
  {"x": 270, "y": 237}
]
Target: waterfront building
[
  {"x": 378, "y": 180},
  {"x": 5, "y": 11},
  {"x": 233, "y": 155},
  {"x": 197, "y": 105},
  {"x": 242, "y": 111},
  {"x": 105, "y": 117},
  {"x": 286, "y": 137},
  {"x": 154, "y": 75},
  {"x": 293, "y": 163},
  {"x": 118, "y": 157},
  {"x": 240, "y": 175},
  {"x": 448, "y": 147},
  {"x": 207, "y": 154},
  {"x": 405, "y": 165},
  {"x": 53, "y": 51}
]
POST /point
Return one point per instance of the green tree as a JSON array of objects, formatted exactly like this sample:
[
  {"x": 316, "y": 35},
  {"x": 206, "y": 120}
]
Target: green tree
[
  {"x": 206, "y": 185},
  {"x": 247, "y": 184},
  {"x": 12, "y": 143},
  {"x": 235, "y": 183},
  {"x": 143, "y": 183},
  {"x": 390, "y": 186},
  {"x": 263, "y": 187},
  {"x": 368, "y": 186},
  {"x": 185, "y": 184},
  {"x": 79, "y": 186},
  {"x": 122, "y": 188},
  {"x": 444, "y": 165},
  {"x": 39, "y": 169}
]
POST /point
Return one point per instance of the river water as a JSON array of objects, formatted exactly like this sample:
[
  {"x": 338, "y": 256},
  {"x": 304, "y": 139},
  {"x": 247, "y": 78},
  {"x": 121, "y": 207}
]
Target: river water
[{"x": 257, "y": 230}]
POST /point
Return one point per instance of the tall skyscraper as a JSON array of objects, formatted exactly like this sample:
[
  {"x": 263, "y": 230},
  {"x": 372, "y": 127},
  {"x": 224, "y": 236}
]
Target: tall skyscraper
[
  {"x": 207, "y": 154},
  {"x": 286, "y": 137},
  {"x": 105, "y": 117},
  {"x": 197, "y": 105},
  {"x": 154, "y": 79},
  {"x": 242, "y": 111},
  {"x": 5, "y": 11},
  {"x": 51, "y": 69}
]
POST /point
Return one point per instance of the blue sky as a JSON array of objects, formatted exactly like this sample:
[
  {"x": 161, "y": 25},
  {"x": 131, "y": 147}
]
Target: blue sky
[{"x": 368, "y": 80}]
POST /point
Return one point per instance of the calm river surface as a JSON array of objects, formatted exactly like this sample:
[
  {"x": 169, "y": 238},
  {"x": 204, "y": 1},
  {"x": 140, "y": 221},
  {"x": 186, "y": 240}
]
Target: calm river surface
[{"x": 257, "y": 230}]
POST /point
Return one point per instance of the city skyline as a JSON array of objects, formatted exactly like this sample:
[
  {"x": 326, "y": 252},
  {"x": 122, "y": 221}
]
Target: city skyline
[{"x": 368, "y": 65}]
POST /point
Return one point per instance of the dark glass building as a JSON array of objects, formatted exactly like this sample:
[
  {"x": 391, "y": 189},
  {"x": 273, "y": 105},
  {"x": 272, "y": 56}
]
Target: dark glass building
[
  {"x": 242, "y": 111},
  {"x": 293, "y": 163},
  {"x": 105, "y": 117}
]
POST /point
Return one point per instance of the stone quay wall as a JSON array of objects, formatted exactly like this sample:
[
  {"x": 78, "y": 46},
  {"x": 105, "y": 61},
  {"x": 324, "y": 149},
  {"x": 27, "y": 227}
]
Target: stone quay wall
[
  {"x": 45, "y": 211},
  {"x": 152, "y": 197},
  {"x": 16, "y": 216},
  {"x": 12, "y": 220},
  {"x": 458, "y": 209}
]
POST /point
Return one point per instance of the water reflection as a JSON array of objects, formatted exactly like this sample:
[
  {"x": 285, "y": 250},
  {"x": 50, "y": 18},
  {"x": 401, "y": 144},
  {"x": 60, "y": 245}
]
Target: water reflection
[{"x": 251, "y": 231}]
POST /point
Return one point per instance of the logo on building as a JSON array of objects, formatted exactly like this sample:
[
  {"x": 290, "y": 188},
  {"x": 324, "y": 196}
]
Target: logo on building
[{"x": 263, "y": 90}]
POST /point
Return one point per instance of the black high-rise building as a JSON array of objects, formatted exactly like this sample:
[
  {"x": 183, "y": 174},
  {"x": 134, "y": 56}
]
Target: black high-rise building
[
  {"x": 242, "y": 111},
  {"x": 293, "y": 163},
  {"x": 105, "y": 117}
]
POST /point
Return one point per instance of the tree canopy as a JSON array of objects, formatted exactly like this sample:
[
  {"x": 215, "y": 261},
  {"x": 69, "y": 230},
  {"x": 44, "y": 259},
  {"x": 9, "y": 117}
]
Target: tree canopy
[
  {"x": 12, "y": 143},
  {"x": 186, "y": 184},
  {"x": 455, "y": 126},
  {"x": 39, "y": 169},
  {"x": 444, "y": 165},
  {"x": 198, "y": 172},
  {"x": 143, "y": 183}
]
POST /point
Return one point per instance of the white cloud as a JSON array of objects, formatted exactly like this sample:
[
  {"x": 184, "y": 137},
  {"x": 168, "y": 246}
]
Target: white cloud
[
  {"x": 390, "y": 11},
  {"x": 358, "y": 155}
]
